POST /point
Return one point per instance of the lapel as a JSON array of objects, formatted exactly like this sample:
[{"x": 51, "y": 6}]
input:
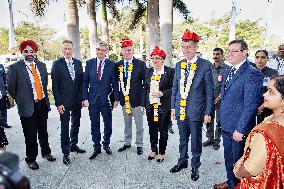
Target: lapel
[
  {"x": 224, "y": 80},
  {"x": 95, "y": 68},
  {"x": 41, "y": 71},
  {"x": 25, "y": 73},
  {"x": 237, "y": 74},
  {"x": 105, "y": 70},
  {"x": 65, "y": 67},
  {"x": 76, "y": 68},
  {"x": 163, "y": 76}
]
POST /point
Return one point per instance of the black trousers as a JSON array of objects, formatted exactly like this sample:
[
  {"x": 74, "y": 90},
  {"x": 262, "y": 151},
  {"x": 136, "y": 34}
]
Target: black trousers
[
  {"x": 156, "y": 127},
  {"x": 210, "y": 127},
  {"x": 33, "y": 126},
  {"x": 75, "y": 114}
]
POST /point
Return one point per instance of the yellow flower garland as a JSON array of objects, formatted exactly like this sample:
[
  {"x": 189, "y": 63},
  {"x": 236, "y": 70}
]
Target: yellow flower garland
[
  {"x": 155, "y": 80},
  {"x": 184, "y": 90},
  {"x": 125, "y": 90}
]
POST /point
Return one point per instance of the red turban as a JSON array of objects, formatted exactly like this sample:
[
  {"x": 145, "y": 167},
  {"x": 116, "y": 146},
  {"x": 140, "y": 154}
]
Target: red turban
[
  {"x": 190, "y": 36},
  {"x": 30, "y": 43},
  {"x": 158, "y": 51},
  {"x": 125, "y": 42}
]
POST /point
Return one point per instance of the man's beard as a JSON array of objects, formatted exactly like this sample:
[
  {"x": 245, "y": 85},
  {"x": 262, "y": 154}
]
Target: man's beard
[{"x": 30, "y": 58}]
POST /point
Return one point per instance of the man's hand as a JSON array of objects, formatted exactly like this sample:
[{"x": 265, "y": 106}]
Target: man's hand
[
  {"x": 86, "y": 103},
  {"x": 115, "y": 104},
  {"x": 60, "y": 109},
  {"x": 157, "y": 94},
  {"x": 173, "y": 114},
  {"x": 207, "y": 119},
  {"x": 143, "y": 110},
  {"x": 217, "y": 100},
  {"x": 237, "y": 136},
  {"x": 260, "y": 109}
]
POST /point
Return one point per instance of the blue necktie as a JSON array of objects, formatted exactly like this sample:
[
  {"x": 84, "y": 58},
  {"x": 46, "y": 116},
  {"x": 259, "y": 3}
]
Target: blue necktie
[
  {"x": 187, "y": 72},
  {"x": 126, "y": 70}
]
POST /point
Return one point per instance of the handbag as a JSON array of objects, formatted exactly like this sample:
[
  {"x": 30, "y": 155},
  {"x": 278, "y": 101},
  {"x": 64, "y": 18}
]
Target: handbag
[{"x": 9, "y": 101}]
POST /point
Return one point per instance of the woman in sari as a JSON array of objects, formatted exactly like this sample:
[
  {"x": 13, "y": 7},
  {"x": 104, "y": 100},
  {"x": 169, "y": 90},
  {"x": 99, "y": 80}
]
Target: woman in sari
[{"x": 262, "y": 164}]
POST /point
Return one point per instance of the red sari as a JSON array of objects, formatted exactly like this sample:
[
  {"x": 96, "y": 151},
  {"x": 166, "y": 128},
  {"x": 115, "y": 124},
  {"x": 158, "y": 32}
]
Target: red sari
[{"x": 272, "y": 177}]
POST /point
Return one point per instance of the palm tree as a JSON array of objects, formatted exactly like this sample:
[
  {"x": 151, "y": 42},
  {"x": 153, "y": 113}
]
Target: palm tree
[
  {"x": 166, "y": 21},
  {"x": 39, "y": 7},
  {"x": 93, "y": 33},
  {"x": 153, "y": 34},
  {"x": 166, "y": 28}
]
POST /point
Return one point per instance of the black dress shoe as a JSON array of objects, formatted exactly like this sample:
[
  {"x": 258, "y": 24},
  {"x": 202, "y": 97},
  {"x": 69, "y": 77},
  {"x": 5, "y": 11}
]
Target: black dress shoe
[
  {"x": 49, "y": 157},
  {"x": 160, "y": 160},
  {"x": 66, "y": 160},
  {"x": 194, "y": 174},
  {"x": 94, "y": 154},
  {"x": 124, "y": 147},
  {"x": 207, "y": 143},
  {"x": 7, "y": 126},
  {"x": 108, "y": 150},
  {"x": 139, "y": 150},
  {"x": 216, "y": 146},
  {"x": 178, "y": 167},
  {"x": 78, "y": 150},
  {"x": 33, "y": 165}
]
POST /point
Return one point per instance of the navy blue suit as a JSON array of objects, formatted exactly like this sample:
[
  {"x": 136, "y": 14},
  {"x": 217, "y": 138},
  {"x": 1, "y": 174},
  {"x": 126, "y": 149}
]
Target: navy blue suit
[
  {"x": 199, "y": 103},
  {"x": 240, "y": 99},
  {"x": 97, "y": 93}
]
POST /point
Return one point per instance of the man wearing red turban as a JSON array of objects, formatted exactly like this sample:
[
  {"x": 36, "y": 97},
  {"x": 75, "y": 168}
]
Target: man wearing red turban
[
  {"x": 192, "y": 101},
  {"x": 131, "y": 74},
  {"x": 27, "y": 83}
]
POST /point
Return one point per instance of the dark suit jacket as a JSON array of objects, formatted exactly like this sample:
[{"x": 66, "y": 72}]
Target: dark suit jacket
[
  {"x": 165, "y": 86},
  {"x": 136, "y": 83},
  {"x": 20, "y": 87},
  {"x": 92, "y": 86},
  {"x": 67, "y": 92},
  {"x": 240, "y": 99},
  {"x": 201, "y": 94}
]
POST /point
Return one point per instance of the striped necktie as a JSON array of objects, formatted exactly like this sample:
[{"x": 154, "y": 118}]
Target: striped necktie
[
  {"x": 71, "y": 69},
  {"x": 230, "y": 75},
  {"x": 38, "y": 86}
]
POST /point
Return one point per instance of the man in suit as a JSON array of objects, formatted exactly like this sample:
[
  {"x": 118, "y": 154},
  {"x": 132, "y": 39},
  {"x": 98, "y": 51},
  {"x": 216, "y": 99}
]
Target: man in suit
[
  {"x": 131, "y": 74},
  {"x": 98, "y": 83},
  {"x": 27, "y": 84},
  {"x": 191, "y": 102},
  {"x": 240, "y": 95},
  {"x": 67, "y": 75},
  {"x": 278, "y": 62},
  {"x": 219, "y": 67}
]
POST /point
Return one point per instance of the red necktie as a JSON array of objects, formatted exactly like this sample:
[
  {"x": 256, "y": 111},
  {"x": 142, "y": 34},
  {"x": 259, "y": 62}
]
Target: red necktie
[{"x": 100, "y": 70}]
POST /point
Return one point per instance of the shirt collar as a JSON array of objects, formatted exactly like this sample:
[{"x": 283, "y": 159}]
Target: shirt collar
[
  {"x": 28, "y": 63},
  {"x": 68, "y": 61},
  {"x": 193, "y": 60},
  {"x": 129, "y": 61},
  {"x": 103, "y": 60},
  {"x": 160, "y": 72},
  {"x": 239, "y": 65}
]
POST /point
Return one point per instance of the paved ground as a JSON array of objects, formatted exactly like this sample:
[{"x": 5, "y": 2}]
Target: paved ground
[{"x": 120, "y": 170}]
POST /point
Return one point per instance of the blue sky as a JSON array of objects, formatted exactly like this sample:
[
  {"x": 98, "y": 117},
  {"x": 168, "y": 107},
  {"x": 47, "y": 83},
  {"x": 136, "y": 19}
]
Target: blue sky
[{"x": 201, "y": 9}]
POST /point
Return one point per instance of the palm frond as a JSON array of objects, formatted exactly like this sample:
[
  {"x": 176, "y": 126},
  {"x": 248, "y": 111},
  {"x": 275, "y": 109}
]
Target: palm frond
[
  {"x": 181, "y": 7},
  {"x": 113, "y": 10},
  {"x": 138, "y": 13}
]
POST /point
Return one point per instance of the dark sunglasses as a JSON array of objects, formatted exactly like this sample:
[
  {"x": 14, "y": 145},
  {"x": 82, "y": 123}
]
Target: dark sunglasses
[{"x": 29, "y": 51}]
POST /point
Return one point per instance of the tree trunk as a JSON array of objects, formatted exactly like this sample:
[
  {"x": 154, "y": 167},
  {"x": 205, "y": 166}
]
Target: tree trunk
[
  {"x": 93, "y": 33},
  {"x": 166, "y": 29},
  {"x": 73, "y": 26},
  {"x": 105, "y": 31},
  {"x": 153, "y": 30}
]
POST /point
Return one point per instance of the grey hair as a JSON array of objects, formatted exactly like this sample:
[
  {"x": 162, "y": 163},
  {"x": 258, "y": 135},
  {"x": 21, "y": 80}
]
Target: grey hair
[{"x": 103, "y": 44}]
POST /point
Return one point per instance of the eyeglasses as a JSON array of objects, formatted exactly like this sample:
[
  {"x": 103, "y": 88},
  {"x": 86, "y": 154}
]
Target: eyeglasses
[
  {"x": 156, "y": 58},
  {"x": 103, "y": 50},
  {"x": 29, "y": 51},
  {"x": 234, "y": 51}
]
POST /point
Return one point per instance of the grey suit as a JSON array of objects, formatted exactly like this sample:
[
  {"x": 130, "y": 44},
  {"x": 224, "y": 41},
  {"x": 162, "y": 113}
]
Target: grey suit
[
  {"x": 20, "y": 87},
  {"x": 199, "y": 103},
  {"x": 33, "y": 113}
]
